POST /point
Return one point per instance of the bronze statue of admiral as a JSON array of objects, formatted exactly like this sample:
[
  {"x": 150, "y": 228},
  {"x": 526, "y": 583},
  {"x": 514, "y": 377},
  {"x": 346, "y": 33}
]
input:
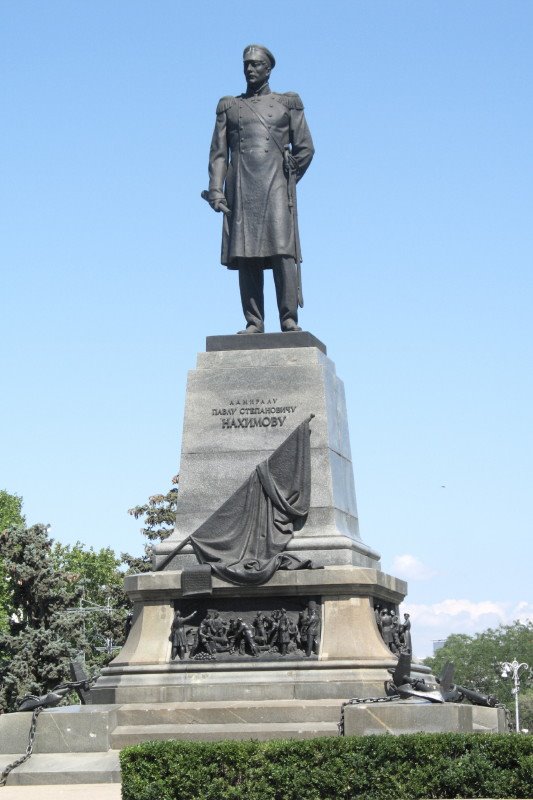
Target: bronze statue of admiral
[{"x": 261, "y": 147}]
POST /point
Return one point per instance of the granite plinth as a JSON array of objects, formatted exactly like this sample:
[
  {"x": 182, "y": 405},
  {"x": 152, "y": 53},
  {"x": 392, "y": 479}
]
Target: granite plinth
[
  {"x": 201, "y": 683},
  {"x": 407, "y": 716},
  {"x": 72, "y": 746},
  {"x": 67, "y": 729},
  {"x": 64, "y": 768},
  {"x": 241, "y": 404},
  {"x": 264, "y": 341}
]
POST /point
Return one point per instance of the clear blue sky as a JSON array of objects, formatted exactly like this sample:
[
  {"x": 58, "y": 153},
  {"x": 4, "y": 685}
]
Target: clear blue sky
[{"x": 416, "y": 225}]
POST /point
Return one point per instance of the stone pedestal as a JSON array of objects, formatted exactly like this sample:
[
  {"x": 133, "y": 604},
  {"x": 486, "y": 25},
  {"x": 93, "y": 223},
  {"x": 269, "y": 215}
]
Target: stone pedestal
[
  {"x": 246, "y": 395},
  {"x": 241, "y": 404}
]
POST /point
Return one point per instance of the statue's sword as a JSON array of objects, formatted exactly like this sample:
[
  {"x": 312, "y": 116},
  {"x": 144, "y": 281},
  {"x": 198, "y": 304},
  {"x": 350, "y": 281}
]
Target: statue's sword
[{"x": 293, "y": 208}]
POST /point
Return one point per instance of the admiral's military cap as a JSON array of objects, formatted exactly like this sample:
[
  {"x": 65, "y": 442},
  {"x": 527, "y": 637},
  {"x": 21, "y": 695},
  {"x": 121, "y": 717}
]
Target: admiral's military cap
[{"x": 258, "y": 52}]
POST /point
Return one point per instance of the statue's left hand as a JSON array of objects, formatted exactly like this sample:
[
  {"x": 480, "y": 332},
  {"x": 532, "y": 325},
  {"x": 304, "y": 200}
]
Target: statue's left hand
[{"x": 290, "y": 164}]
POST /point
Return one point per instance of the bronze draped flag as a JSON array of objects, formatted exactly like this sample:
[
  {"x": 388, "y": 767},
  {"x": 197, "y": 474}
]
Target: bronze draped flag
[{"x": 245, "y": 539}]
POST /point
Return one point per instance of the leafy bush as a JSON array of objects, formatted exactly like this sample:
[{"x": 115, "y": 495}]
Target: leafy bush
[{"x": 367, "y": 768}]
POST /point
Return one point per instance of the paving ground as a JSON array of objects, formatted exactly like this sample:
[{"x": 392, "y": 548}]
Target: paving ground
[{"x": 78, "y": 791}]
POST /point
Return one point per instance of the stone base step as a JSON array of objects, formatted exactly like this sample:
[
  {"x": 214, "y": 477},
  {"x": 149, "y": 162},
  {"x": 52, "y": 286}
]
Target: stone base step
[
  {"x": 230, "y": 712},
  {"x": 63, "y": 768},
  {"x": 125, "y": 735}
]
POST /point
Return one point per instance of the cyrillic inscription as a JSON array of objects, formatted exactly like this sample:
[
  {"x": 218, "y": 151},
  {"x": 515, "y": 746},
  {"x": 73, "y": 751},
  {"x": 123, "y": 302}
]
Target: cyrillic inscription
[{"x": 252, "y": 412}]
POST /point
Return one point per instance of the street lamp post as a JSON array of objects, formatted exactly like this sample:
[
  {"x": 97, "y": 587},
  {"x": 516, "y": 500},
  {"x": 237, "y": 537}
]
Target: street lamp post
[
  {"x": 92, "y": 608},
  {"x": 513, "y": 669}
]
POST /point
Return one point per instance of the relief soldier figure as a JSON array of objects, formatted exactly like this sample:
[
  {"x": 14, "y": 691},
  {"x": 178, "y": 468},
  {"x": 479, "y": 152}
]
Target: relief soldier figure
[
  {"x": 283, "y": 633},
  {"x": 217, "y": 634},
  {"x": 261, "y": 147},
  {"x": 178, "y": 635},
  {"x": 260, "y": 630},
  {"x": 232, "y": 633},
  {"x": 388, "y": 631},
  {"x": 294, "y": 634},
  {"x": 405, "y": 634},
  {"x": 245, "y": 638},
  {"x": 310, "y": 629},
  {"x": 205, "y": 642}
]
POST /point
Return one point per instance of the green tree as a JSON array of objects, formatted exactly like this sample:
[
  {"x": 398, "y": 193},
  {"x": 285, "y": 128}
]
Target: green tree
[
  {"x": 40, "y": 638},
  {"x": 61, "y": 600},
  {"x": 477, "y": 659},
  {"x": 103, "y": 605},
  {"x": 51, "y": 587},
  {"x": 158, "y": 515},
  {"x": 10, "y": 510},
  {"x": 10, "y": 514},
  {"x": 525, "y": 705}
]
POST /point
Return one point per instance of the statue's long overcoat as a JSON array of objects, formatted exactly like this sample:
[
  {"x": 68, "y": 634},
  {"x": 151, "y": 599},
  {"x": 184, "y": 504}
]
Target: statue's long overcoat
[{"x": 246, "y": 167}]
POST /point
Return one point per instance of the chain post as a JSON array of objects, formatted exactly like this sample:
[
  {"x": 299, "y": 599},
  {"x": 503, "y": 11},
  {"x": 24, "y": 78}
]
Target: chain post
[
  {"x": 355, "y": 701},
  {"x": 29, "y": 749}
]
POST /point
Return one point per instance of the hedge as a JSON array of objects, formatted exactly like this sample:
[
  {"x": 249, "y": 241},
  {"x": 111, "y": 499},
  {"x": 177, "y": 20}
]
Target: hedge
[{"x": 439, "y": 765}]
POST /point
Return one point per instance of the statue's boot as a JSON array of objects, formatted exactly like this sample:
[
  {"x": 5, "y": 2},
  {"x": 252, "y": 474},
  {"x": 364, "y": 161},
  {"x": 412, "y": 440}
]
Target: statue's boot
[
  {"x": 286, "y": 282},
  {"x": 251, "y": 282},
  {"x": 290, "y": 326},
  {"x": 251, "y": 329}
]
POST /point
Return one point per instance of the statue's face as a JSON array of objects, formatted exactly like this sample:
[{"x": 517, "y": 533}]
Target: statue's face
[{"x": 256, "y": 73}]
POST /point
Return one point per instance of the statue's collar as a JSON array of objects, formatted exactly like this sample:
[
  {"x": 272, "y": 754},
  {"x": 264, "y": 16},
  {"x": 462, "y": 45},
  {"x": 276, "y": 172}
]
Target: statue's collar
[{"x": 264, "y": 89}]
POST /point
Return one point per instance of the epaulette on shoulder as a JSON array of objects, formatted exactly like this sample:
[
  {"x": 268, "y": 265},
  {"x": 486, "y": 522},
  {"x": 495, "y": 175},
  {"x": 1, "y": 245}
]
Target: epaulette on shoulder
[
  {"x": 291, "y": 100},
  {"x": 225, "y": 102}
]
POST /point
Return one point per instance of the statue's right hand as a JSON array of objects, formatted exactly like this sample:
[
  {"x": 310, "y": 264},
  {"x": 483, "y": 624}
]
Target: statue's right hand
[
  {"x": 216, "y": 200},
  {"x": 217, "y": 203}
]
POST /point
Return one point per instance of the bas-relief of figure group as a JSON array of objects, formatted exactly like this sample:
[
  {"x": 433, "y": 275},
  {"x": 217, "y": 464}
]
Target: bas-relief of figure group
[
  {"x": 276, "y": 633},
  {"x": 395, "y": 634}
]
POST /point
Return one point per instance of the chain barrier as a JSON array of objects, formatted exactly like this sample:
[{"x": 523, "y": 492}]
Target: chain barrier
[
  {"x": 362, "y": 701},
  {"x": 29, "y": 749}
]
